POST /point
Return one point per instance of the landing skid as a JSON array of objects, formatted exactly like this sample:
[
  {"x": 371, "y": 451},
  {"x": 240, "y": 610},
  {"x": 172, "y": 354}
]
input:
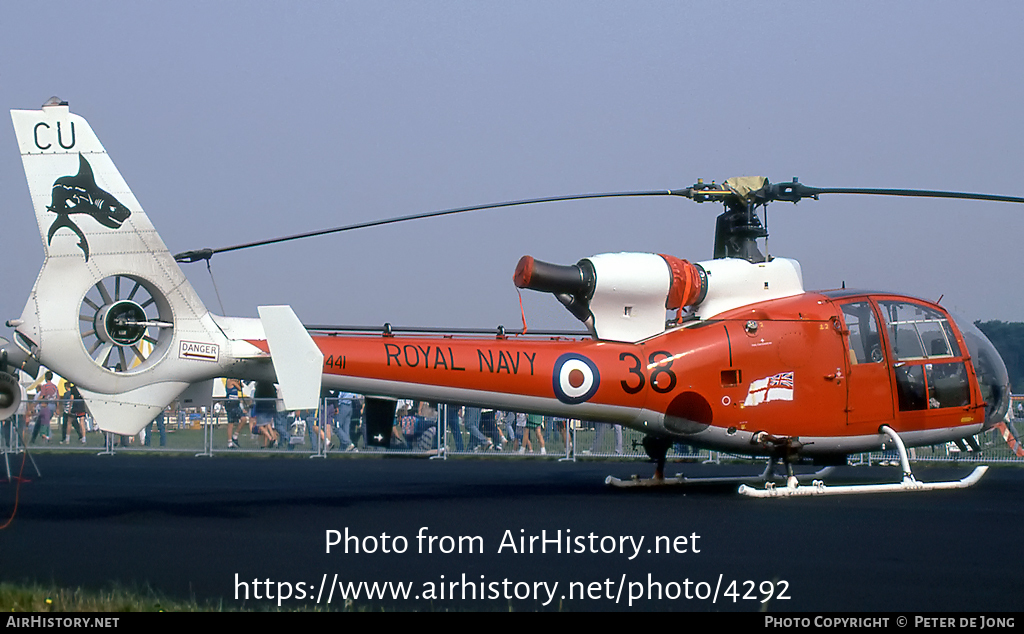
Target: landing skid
[
  {"x": 909, "y": 482},
  {"x": 792, "y": 487},
  {"x": 680, "y": 479},
  {"x": 818, "y": 487}
]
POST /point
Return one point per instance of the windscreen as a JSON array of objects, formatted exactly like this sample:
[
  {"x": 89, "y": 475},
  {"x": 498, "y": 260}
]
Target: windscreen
[{"x": 992, "y": 375}]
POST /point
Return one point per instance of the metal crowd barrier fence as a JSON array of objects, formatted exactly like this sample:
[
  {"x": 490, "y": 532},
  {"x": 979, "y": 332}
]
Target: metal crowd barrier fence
[
  {"x": 989, "y": 447},
  {"x": 338, "y": 427}
]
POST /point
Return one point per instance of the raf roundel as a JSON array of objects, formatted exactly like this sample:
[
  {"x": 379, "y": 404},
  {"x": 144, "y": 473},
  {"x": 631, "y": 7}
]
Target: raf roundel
[{"x": 575, "y": 378}]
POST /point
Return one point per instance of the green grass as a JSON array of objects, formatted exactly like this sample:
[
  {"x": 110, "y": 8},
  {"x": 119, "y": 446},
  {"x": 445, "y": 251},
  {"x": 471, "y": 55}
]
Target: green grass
[{"x": 37, "y": 598}]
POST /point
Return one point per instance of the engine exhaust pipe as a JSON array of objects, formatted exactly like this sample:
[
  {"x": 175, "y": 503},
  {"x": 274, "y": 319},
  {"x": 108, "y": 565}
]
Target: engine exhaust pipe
[
  {"x": 572, "y": 284},
  {"x": 569, "y": 279}
]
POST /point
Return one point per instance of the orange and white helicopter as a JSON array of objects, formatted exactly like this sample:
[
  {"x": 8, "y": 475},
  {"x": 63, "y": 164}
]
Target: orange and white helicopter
[{"x": 730, "y": 354}]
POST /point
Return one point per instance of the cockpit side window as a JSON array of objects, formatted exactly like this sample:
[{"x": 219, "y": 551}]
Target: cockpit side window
[
  {"x": 947, "y": 385},
  {"x": 918, "y": 332},
  {"x": 864, "y": 339},
  {"x": 929, "y": 371}
]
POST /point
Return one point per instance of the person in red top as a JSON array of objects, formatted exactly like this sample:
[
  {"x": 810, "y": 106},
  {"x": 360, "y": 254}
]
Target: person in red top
[{"x": 46, "y": 399}]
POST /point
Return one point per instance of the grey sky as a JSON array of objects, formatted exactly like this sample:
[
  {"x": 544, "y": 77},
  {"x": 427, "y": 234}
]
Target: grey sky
[{"x": 237, "y": 121}]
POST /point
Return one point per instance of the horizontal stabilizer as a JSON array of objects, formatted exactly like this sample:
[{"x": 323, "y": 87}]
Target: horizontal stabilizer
[
  {"x": 297, "y": 360},
  {"x": 128, "y": 412}
]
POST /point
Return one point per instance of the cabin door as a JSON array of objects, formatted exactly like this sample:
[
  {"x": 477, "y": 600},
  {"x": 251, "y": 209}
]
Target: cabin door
[{"x": 868, "y": 387}]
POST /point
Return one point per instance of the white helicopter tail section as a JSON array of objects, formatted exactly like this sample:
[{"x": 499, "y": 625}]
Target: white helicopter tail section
[{"x": 111, "y": 310}]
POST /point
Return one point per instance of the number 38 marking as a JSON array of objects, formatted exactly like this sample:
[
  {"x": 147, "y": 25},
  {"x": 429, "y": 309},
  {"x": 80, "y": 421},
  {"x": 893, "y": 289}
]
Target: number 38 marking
[{"x": 659, "y": 370}]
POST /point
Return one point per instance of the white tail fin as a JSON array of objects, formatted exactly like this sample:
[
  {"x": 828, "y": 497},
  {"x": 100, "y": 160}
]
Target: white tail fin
[
  {"x": 111, "y": 310},
  {"x": 298, "y": 362}
]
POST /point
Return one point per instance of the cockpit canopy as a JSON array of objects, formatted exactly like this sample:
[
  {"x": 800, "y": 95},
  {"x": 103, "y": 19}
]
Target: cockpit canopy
[
  {"x": 920, "y": 332},
  {"x": 929, "y": 363},
  {"x": 992, "y": 375}
]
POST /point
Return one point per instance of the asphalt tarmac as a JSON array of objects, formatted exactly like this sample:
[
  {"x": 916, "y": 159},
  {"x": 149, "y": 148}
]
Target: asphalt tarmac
[{"x": 248, "y": 530}]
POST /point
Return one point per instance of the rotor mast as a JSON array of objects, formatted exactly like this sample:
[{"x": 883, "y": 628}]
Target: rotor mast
[{"x": 738, "y": 228}]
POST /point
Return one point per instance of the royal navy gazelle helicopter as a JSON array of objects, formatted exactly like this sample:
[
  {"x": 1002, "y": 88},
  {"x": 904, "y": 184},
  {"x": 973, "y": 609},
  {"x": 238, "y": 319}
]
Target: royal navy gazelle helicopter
[{"x": 729, "y": 354}]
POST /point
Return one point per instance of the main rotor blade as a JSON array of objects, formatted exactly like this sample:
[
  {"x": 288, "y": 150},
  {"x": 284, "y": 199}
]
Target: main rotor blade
[
  {"x": 924, "y": 193},
  {"x": 206, "y": 254},
  {"x": 795, "y": 191},
  {"x": 700, "y": 192}
]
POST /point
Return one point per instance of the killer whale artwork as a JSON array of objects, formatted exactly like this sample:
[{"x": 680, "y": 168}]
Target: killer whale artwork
[{"x": 79, "y": 194}]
